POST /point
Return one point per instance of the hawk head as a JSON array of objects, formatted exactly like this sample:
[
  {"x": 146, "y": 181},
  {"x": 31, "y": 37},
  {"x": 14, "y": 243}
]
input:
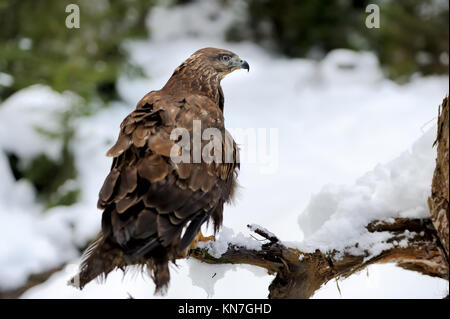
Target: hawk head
[
  {"x": 219, "y": 61},
  {"x": 202, "y": 73}
]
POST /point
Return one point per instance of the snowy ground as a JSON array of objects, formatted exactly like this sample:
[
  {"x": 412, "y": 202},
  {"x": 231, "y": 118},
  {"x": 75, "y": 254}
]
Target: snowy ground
[{"x": 346, "y": 146}]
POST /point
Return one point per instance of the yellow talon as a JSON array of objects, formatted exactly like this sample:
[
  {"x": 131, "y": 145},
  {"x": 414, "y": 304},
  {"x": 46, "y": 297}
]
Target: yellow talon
[
  {"x": 202, "y": 238},
  {"x": 197, "y": 239}
]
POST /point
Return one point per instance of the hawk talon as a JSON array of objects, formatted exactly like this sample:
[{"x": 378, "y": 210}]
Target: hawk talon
[{"x": 206, "y": 239}]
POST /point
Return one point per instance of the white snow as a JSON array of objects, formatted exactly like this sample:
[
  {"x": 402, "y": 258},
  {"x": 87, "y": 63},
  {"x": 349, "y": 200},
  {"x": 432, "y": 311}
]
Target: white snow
[
  {"x": 336, "y": 119},
  {"x": 6, "y": 79},
  {"x": 184, "y": 21},
  {"x": 36, "y": 107},
  {"x": 219, "y": 246},
  {"x": 34, "y": 240},
  {"x": 255, "y": 227},
  {"x": 30, "y": 242},
  {"x": 336, "y": 217},
  {"x": 384, "y": 282}
]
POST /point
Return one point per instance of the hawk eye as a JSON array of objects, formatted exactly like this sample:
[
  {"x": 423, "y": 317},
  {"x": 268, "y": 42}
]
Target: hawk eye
[{"x": 225, "y": 58}]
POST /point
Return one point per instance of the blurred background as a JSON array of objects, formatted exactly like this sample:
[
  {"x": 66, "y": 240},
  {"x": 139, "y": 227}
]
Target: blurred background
[{"x": 346, "y": 98}]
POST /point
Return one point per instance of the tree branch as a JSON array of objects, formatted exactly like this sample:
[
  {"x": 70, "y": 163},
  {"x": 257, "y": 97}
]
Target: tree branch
[{"x": 300, "y": 274}]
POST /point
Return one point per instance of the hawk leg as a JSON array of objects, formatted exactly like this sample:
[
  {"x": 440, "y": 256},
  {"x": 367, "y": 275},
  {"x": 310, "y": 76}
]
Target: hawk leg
[
  {"x": 198, "y": 238},
  {"x": 202, "y": 238}
]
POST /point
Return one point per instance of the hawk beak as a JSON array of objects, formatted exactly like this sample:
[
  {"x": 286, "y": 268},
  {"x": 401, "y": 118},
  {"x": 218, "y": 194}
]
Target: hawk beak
[
  {"x": 237, "y": 62},
  {"x": 244, "y": 65}
]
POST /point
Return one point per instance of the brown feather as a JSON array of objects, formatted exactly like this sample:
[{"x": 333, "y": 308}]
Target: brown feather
[
  {"x": 140, "y": 135},
  {"x": 166, "y": 230},
  {"x": 125, "y": 203},
  {"x": 153, "y": 168},
  {"x": 108, "y": 186},
  {"x": 128, "y": 182},
  {"x": 183, "y": 170},
  {"x": 122, "y": 144},
  {"x": 160, "y": 144},
  {"x": 145, "y": 224}
]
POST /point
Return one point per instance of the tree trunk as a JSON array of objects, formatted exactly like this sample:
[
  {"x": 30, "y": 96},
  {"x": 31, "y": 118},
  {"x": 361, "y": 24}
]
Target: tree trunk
[{"x": 438, "y": 202}]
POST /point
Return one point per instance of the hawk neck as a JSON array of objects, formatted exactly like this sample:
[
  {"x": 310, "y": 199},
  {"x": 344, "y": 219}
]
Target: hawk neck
[{"x": 188, "y": 81}]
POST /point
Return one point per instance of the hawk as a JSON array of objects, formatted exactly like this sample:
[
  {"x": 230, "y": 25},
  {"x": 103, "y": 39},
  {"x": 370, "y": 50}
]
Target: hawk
[{"x": 153, "y": 205}]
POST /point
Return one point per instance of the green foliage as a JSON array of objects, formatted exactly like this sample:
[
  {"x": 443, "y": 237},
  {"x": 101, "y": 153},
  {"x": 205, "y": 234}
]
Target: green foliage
[
  {"x": 36, "y": 46},
  {"x": 48, "y": 176},
  {"x": 413, "y": 35},
  {"x": 299, "y": 26}
]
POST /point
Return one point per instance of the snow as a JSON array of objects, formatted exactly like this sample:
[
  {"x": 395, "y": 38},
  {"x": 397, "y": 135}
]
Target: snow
[
  {"x": 211, "y": 277},
  {"x": 45, "y": 239},
  {"x": 35, "y": 107},
  {"x": 372, "y": 283},
  {"x": 31, "y": 242},
  {"x": 191, "y": 279},
  {"x": 219, "y": 246},
  {"x": 6, "y": 79},
  {"x": 343, "y": 67},
  {"x": 255, "y": 227},
  {"x": 336, "y": 217},
  {"x": 335, "y": 120},
  {"x": 183, "y": 21}
]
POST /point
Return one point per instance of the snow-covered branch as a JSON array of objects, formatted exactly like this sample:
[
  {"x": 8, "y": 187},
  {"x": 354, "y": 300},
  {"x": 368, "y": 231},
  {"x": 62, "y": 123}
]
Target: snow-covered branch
[{"x": 299, "y": 274}]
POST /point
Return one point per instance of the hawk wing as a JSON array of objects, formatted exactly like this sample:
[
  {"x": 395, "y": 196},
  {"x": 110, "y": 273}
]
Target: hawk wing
[{"x": 147, "y": 198}]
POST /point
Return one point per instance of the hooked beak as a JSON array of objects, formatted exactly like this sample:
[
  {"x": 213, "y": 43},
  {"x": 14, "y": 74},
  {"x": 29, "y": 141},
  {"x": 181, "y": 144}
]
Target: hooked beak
[
  {"x": 237, "y": 62},
  {"x": 244, "y": 65}
]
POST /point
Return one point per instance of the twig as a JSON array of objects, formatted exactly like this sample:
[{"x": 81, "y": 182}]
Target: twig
[{"x": 263, "y": 232}]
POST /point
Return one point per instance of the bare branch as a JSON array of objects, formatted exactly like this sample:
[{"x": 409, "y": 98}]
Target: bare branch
[{"x": 263, "y": 232}]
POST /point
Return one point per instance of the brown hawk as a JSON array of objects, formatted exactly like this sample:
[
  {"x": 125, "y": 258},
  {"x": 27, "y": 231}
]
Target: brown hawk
[{"x": 154, "y": 206}]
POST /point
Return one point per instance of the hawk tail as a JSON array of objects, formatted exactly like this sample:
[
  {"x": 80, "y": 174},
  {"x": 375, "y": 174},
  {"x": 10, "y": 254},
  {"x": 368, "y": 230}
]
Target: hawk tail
[
  {"x": 99, "y": 259},
  {"x": 103, "y": 256}
]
